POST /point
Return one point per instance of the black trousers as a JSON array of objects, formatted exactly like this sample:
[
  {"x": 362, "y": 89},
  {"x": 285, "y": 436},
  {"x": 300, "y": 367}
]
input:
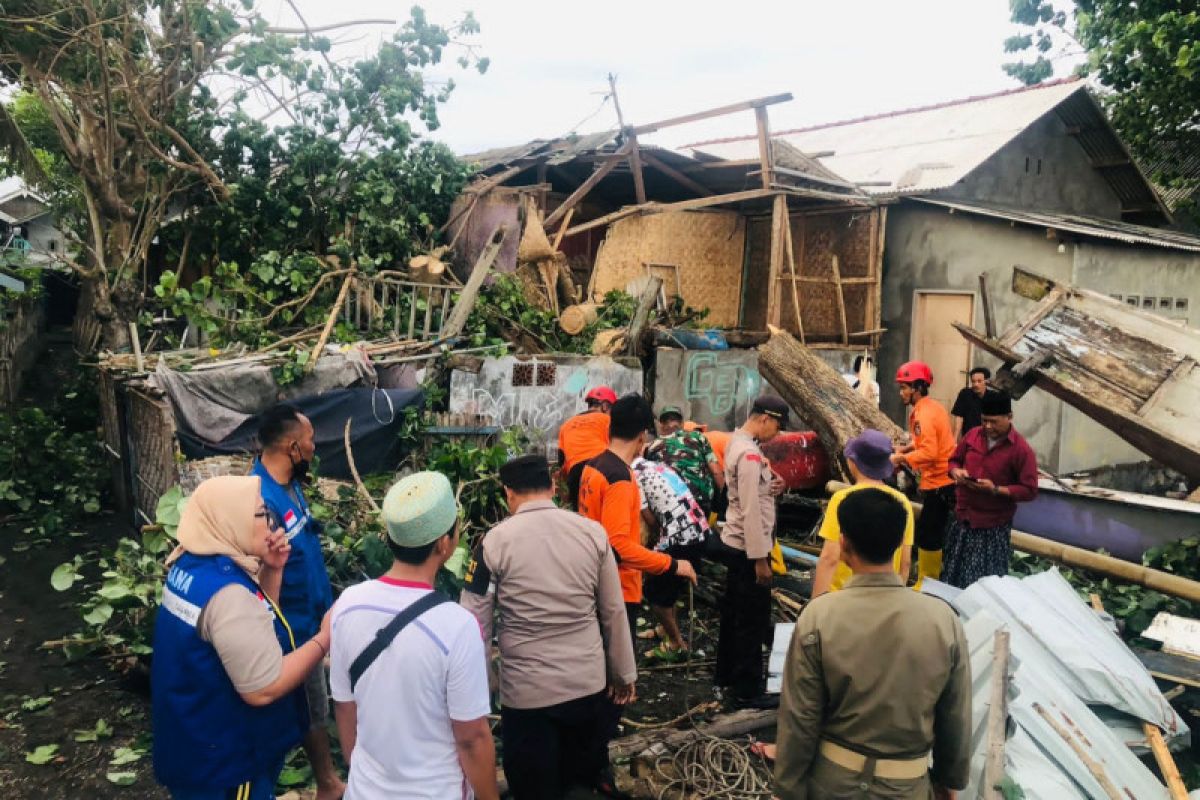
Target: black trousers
[
  {"x": 549, "y": 750},
  {"x": 745, "y": 627},
  {"x": 929, "y": 532}
]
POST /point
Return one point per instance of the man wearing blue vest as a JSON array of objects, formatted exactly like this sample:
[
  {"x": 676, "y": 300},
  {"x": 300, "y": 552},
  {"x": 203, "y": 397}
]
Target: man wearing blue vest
[{"x": 285, "y": 437}]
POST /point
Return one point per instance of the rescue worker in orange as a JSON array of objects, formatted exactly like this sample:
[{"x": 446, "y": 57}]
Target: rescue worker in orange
[
  {"x": 584, "y": 436},
  {"x": 928, "y": 455}
]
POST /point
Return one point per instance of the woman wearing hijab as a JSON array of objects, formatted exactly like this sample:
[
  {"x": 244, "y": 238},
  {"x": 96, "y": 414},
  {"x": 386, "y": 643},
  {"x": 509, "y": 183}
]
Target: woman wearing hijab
[{"x": 226, "y": 667}]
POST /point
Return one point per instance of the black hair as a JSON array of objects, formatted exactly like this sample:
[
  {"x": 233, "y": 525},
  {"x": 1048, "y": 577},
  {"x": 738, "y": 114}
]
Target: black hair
[
  {"x": 873, "y": 521},
  {"x": 277, "y": 422},
  {"x": 919, "y": 386},
  {"x": 984, "y": 371},
  {"x": 593, "y": 402},
  {"x": 529, "y": 473},
  {"x": 631, "y": 415},
  {"x": 415, "y": 556}
]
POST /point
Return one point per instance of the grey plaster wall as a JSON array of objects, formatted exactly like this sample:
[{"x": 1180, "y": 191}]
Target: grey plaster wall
[
  {"x": 717, "y": 387},
  {"x": 928, "y": 248},
  {"x": 1067, "y": 181},
  {"x": 538, "y": 393}
]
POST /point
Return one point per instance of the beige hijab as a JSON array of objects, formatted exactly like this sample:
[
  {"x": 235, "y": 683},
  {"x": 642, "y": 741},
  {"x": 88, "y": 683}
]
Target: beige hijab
[{"x": 218, "y": 520}]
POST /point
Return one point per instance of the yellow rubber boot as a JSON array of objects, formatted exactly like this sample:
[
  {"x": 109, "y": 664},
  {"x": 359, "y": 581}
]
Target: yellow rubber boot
[{"x": 929, "y": 563}]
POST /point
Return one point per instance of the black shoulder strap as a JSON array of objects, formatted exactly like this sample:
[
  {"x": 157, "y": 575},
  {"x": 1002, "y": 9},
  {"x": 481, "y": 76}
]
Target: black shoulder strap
[{"x": 388, "y": 632}]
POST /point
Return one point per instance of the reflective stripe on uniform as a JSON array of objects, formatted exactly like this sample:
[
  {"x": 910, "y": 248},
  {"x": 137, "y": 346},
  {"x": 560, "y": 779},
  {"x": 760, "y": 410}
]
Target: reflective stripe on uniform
[
  {"x": 185, "y": 610},
  {"x": 887, "y": 768}
]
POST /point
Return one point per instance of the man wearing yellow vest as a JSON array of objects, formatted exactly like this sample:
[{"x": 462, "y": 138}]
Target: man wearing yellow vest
[
  {"x": 868, "y": 456},
  {"x": 929, "y": 455}
]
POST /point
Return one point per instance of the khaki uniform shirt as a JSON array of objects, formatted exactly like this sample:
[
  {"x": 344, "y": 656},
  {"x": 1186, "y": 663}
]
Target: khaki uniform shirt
[
  {"x": 881, "y": 670},
  {"x": 550, "y": 578},
  {"x": 750, "y": 518}
]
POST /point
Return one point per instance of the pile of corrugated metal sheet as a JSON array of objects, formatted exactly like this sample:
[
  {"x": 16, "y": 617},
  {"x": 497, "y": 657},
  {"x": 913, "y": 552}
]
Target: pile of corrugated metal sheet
[{"x": 1077, "y": 694}]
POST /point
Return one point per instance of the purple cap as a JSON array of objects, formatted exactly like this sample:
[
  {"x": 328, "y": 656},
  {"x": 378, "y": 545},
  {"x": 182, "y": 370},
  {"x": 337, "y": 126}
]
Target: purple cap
[{"x": 871, "y": 452}]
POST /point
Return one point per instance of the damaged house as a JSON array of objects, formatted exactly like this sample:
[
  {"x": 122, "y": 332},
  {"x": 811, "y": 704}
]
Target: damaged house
[{"x": 891, "y": 221}]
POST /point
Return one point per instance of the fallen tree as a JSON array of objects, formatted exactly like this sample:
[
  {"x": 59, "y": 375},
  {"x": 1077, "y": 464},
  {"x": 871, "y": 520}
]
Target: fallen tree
[{"x": 820, "y": 396}]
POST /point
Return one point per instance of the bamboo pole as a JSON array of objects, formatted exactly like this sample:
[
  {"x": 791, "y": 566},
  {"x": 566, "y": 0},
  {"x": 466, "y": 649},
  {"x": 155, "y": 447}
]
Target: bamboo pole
[
  {"x": 330, "y": 322},
  {"x": 1077, "y": 557},
  {"x": 997, "y": 717}
]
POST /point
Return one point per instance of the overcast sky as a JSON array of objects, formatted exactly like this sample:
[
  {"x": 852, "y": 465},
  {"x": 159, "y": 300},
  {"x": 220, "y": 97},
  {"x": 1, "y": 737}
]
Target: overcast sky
[{"x": 549, "y": 60}]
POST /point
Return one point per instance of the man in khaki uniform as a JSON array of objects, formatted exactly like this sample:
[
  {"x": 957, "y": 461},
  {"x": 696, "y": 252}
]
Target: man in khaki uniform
[
  {"x": 746, "y": 542},
  {"x": 877, "y": 679},
  {"x": 563, "y": 634}
]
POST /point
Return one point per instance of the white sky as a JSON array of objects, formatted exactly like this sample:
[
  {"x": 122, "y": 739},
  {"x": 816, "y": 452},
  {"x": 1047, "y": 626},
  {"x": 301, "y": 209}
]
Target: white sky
[{"x": 549, "y": 60}]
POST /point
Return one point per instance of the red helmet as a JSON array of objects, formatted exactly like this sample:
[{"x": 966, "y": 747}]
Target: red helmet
[
  {"x": 602, "y": 394},
  {"x": 914, "y": 371}
]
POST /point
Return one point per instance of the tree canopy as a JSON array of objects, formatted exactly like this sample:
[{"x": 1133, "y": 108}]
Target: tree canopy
[
  {"x": 227, "y": 147},
  {"x": 1146, "y": 56}
]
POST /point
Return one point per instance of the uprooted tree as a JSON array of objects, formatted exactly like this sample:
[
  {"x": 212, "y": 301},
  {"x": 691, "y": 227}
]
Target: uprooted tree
[{"x": 244, "y": 146}]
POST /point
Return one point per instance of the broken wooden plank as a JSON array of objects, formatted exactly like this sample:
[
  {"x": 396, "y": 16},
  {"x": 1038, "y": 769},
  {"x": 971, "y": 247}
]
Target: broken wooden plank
[
  {"x": 764, "y": 144},
  {"x": 1170, "y": 667},
  {"x": 791, "y": 257},
  {"x": 779, "y": 220},
  {"x": 585, "y": 187},
  {"x": 821, "y": 396},
  {"x": 641, "y": 314},
  {"x": 330, "y": 321},
  {"x": 682, "y": 205},
  {"x": 841, "y": 299},
  {"x": 683, "y": 180},
  {"x": 985, "y": 299},
  {"x": 712, "y": 112},
  {"x": 470, "y": 292},
  {"x": 997, "y": 718},
  {"x": 723, "y": 726}
]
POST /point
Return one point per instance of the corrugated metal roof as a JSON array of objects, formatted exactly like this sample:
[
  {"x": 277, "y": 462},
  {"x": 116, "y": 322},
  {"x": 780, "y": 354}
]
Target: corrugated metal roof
[
  {"x": 1094, "y": 227},
  {"x": 559, "y": 151},
  {"x": 916, "y": 150}
]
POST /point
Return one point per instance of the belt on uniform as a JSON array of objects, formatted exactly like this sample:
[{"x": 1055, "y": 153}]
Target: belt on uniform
[{"x": 888, "y": 768}]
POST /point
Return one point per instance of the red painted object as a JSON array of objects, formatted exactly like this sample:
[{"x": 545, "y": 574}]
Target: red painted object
[{"x": 799, "y": 458}]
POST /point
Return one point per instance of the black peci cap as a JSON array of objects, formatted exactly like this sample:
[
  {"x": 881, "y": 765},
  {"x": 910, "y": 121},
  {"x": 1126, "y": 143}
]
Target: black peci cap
[
  {"x": 773, "y": 407},
  {"x": 995, "y": 403},
  {"x": 526, "y": 473}
]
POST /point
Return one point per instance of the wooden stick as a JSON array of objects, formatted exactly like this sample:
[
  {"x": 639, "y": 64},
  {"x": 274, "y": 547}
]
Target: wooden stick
[
  {"x": 775, "y": 268},
  {"x": 1154, "y": 737},
  {"x": 330, "y": 322},
  {"x": 466, "y": 299},
  {"x": 712, "y": 112},
  {"x": 1093, "y": 766},
  {"x": 721, "y": 726},
  {"x": 791, "y": 257},
  {"x": 997, "y": 717},
  {"x": 666, "y": 169},
  {"x": 841, "y": 300},
  {"x": 137, "y": 347},
  {"x": 989, "y": 321},
  {"x": 358, "y": 481},
  {"x": 764, "y": 144},
  {"x": 562, "y": 229},
  {"x": 682, "y": 205},
  {"x": 585, "y": 187}
]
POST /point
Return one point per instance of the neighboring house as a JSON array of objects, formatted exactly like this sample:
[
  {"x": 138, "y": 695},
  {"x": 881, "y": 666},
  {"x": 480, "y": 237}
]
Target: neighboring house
[{"x": 27, "y": 224}]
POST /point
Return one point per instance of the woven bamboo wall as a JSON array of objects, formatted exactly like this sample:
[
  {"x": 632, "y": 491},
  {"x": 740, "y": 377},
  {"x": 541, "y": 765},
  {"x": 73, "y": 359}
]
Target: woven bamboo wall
[
  {"x": 152, "y": 429},
  {"x": 816, "y": 238},
  {"x": 19, "y": 349},
  {"x": 707, "y": 246}
]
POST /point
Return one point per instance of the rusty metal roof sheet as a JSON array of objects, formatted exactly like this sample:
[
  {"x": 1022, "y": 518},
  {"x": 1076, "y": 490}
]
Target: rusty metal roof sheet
[{"x": 1092, "y": 227}]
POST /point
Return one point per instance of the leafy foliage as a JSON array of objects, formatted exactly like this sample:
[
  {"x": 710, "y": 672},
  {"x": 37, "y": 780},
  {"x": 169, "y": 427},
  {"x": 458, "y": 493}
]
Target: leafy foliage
[
  {"x": 1145, "y": 54},
  {"x": 1133, "y": 606}
]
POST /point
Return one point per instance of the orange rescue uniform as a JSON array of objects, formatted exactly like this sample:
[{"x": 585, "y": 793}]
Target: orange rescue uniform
[
  {"x": 719, "y": 440},
  {"x": 933, "y": 443},
  {"x": 583, "y": 436},
  {"x": 609, "y": 494}
]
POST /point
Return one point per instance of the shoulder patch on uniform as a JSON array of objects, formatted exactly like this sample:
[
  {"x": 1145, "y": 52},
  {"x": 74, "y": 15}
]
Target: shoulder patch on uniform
[
  {"x": 754, "y": 457},
  {"x": 478, "y": 578}
]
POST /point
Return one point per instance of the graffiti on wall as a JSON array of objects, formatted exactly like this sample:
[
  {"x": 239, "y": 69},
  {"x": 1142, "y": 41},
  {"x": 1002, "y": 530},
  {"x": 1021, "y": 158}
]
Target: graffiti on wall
[
  {"x": 537, "y": 394},
  {"x": 721, "y": 384}
]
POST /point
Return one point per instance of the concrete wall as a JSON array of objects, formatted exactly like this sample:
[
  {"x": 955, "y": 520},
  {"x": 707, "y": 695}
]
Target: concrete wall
[
  {"x": 1066, "y": 183},
  {"x": 538, "y": 393},
  {"x": 928, "y": 248}
]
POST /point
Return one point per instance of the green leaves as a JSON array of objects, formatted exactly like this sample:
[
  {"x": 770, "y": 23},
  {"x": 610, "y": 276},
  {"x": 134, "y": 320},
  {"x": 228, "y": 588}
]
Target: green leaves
[
  {"x": 102, "y": 730},
  {"x": 121, "y": 778},
  {"x": 126, "y": 755},
  {"x": 65, "y": 575},
  {"x": 169, "y": 510},
  {"x": 42, "y": 755},
  {"x": 36, "y": 703}
]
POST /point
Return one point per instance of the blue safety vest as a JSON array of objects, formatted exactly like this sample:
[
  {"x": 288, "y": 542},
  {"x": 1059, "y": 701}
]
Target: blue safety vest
[
  {"x": 306, "y": 593},
  {"x": 206, "y": 737}
]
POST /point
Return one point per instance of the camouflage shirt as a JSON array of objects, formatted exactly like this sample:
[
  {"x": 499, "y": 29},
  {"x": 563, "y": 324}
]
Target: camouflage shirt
[{"x": 689, "y": 454}]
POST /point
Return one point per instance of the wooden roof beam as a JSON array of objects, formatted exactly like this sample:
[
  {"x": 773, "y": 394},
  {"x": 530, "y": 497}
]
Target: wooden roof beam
[
  {"x": 587, "y": 185},
  {"x": 676, "y": 175},
  {"x": 720, "y": 111},
  {"x": 682, "y": 205}
]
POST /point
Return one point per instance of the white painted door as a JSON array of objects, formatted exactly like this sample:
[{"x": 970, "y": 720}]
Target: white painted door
[{"x": 938, "y": 344}]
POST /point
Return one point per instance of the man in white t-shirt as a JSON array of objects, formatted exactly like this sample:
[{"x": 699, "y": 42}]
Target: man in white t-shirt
[{"x": 413, "y": 722}]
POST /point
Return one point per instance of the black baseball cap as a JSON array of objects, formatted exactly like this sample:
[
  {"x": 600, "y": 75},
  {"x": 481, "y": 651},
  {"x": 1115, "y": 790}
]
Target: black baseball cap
[{"x": 773, "y": 407}]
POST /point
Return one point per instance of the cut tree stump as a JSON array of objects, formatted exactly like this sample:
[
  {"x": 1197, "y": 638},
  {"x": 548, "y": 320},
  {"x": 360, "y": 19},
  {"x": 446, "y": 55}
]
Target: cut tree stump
[{"x": 821, "y": 396}]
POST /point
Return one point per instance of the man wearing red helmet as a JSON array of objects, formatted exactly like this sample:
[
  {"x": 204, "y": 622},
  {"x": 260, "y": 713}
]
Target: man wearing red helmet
[
  {"x": 584, "y": 436},
  {"x": 929, "y": 455}
]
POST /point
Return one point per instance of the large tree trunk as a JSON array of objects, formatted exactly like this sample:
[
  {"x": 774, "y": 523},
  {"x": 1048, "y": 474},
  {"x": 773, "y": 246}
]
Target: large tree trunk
[
  {"x": 103, "y": 315},
  {"x": 820, "y": 396}
]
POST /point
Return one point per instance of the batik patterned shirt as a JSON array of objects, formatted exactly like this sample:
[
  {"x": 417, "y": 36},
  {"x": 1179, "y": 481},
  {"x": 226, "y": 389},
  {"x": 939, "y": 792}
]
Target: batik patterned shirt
[{"x": 680, "y": 518}]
